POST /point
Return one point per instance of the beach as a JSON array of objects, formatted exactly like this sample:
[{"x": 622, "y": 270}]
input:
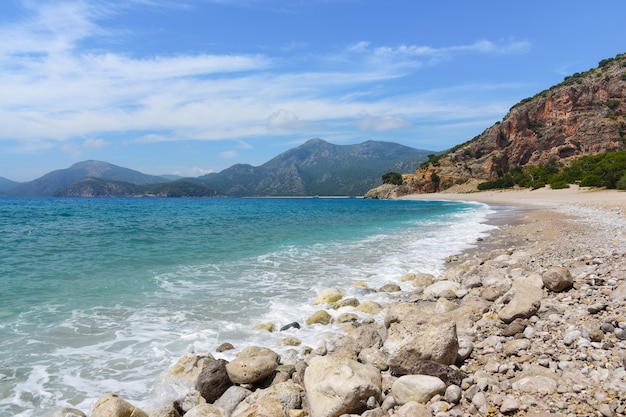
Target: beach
[{"x": 531, "y": 320}]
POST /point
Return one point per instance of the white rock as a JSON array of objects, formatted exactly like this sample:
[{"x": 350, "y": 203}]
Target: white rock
[{"x": 418, "y": 388}]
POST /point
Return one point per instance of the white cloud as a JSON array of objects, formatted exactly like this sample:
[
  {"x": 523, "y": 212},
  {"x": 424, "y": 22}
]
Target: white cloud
[
  {"x": 380, "y": 123},
  {"x": 228, "y": 155},
  {"x": 95, "y": 143}
]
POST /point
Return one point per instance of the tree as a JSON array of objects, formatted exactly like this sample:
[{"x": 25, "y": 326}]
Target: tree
[{"x": 392, "y": 178}]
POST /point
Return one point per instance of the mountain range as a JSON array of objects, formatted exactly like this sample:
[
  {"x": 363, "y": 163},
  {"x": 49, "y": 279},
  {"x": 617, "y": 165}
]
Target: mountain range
[{"x": 314, "y": 168}]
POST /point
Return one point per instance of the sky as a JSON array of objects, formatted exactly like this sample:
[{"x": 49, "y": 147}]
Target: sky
[{"x": 189, "y": 87}]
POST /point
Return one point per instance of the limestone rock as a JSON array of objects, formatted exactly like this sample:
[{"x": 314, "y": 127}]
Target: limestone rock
[
  {"x": 328, "y": 295},
  {"x": 525, "y": 302},
  {"x": 206, "y": 410},
  {"x": 447, "y": 374},
  {"x": 414, "y": 409},
  {"x": 252, "y": 364},
  {"x": 413, "y": 336},
  {"x": 232, "y": 398},
  {"x": 369, "y": 307},
  {"x": 213, "y": 381},
  {"x": 337, "y": 386},
  {"x": 319, "y": 317},
  {"x": 67, "y": 412},
  {"x": 187, "y": 369},
  {"x": 557, "y": 279},
  {"x": 277, "y": 399},
  {"x": 111, "y": 405},
  {"x": 446, "y": 289},
  {"x": 418, "y": 388}
]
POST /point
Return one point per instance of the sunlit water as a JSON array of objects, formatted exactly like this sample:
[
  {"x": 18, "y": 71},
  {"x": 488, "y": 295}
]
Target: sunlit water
[{"x": 103, "y": 295}]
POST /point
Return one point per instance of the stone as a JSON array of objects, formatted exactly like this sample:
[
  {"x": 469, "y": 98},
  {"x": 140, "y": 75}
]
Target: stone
[
  {"x": 111, "y": 405},
  {"x": 374, "y": 357},
  {"x": 319, "y": 317},
  {"x": 292, "y": 325},
  {"x": 346, "y": 318},
  {"x": 369, "y": 307},
  {"x": 515, "y": 327},
  {"x": 252, "y": 364},
  {"x": 206, "y": 410},
  {"x": 213, "y": 381},
  {"x": 557, "y": 279},
  {"x": 186, "y": 370},
  {"x": 346, "y": 302},
  {"x": 418, "y": 388},
  {"x": 446, "y": 289},
  {"x": 232, "y": 397},
  {"x": 414, "y": 409},
  {"x": 423, "y": 280},
  {"x": 447, "y": 374},
  {"x": 413, "y": 336},
  {"x": 390, "y": 288},
  {"x": 269, "y": 327},
  {"x": 535, "y": 384},
  {"x": 67, "y": 412},
  {"x": 290, "y": 341},
  {"x": 514, "y": 347},
  {"x": 336, "y": 386},
  {"x": 453, "y": 394},
  {"x": 466, "y": 348},
  {"x": 328, "y": 295},
  {"x": 619, "y": 293},
  {"x": 525, "y": 302},
  {"x": 224, "y": 347},
  {"x": 509, "y": 405},
  {"x": 275, "y": 400},
  {"x": 367, "y": 336}
]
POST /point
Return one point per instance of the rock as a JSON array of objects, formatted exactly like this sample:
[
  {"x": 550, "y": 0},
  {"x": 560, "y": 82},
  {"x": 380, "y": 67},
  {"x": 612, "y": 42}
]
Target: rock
[
  {"x": 514, "y": 347},
  {"x": 189, "y": 401},
  {"x": 67, "y": 412},
  {"x": 465, "y": 350},
  {"x": 469, "y": 311},
  {"x": 346, "y": 318},
  {"x": 206, "y": 410},
  {"x": 346, "y": 302},
  {"x": 232, "y": 397},
  {"x": 509, "y": 405},
  {"x": 328, "y": 295},
  {"x": 418, "y": 388},
  {"x": 367, "y": 336},
  {"x": 414, "y": 409},
  {"x": 447, "y": 374},
  {"x": 413, "y": 336},
  {"x": 269, "y": 327},
  {"x": 187, "y": 369},
  {"x": 111, "y": 405},
  {"x": 557, "y": 279},
  {"x": 619, "y": 294},
  {"x": 525, "y": 302},
  {"x": 446, "y": 289},
  {"x": 213, "y": 381},
  {"x": 224, "y": 347},
  {"x": 292, "y": 325},
  {"x": 252, "y": 364},
  {"x": 369, "y": 307},
  {"x": 453, "y": 394},
  {"x": 535, "y": 384},
  {"x": 390, "y": 288},
  {"x": 374, "y": 357},
  {"x": 276, "y": 400},
  {"x": 290, "y": 341},
  {"x": 337, "y": 386},
  {"x": 515, "y": 327},
  {"x": 319, "y": 317}
]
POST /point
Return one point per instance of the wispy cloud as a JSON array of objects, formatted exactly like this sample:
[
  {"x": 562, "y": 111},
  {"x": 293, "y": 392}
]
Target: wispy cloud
[{"x": 54, "y": 89}]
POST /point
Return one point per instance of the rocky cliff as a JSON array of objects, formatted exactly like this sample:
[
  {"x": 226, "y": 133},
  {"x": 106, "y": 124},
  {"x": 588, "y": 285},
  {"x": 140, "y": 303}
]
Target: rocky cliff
[{"x": 583, "y": 115}]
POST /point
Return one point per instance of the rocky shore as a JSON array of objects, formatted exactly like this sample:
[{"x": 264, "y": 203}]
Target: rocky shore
[{"x": 530, "y": 323}]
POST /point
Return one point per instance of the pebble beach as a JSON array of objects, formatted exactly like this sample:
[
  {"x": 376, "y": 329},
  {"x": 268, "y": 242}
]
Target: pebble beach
[{"x": 530, "y": 322}]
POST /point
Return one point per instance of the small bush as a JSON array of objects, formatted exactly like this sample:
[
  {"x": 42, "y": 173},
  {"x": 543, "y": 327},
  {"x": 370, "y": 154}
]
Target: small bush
[{"x": 392, "y": 178}]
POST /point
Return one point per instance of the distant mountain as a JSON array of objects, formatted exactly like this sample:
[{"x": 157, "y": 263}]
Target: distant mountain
[
  {"x": 96, "y": 187},
  {"x": 318, "y": 168},
  {"x": 51, "y": 183},
  {"x": 6, "y": 184}
]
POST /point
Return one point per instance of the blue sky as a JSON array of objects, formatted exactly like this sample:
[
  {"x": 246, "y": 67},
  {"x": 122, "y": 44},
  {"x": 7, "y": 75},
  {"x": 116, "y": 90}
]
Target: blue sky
[{"x": 194, "y": 86}]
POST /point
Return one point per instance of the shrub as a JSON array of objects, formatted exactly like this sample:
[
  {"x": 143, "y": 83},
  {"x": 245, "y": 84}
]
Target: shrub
[
  {"x": 612, "y": 104},
  {"x": 621, "y": 184},
  {"x": 392, "y": 178}
]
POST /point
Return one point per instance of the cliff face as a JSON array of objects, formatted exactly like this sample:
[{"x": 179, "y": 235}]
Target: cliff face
[{"x": 584, "y": 115}]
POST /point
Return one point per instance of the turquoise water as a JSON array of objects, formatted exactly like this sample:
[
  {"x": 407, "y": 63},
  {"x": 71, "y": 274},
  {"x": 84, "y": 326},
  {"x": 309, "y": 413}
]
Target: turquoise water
[{"x": 101, "y": 295}]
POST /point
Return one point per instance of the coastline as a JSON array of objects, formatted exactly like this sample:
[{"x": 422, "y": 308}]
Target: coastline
[{"x": 562, "y": 356}]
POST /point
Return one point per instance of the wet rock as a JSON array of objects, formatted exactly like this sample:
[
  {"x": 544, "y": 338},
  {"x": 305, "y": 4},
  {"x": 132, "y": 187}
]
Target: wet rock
[
  {"x": 328, "y": 295},
  {"x": 319, "y": 317},
  {"x": 252, "y": 364},
  {"x": 67, "y": 412},
  {"x": 276, "y": 400},
  {"x": 111, "y": 405},
  {"x": 292, "y": 325},
  {"x": 213, "y": 381}
]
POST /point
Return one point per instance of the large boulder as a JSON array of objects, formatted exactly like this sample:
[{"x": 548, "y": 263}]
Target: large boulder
[
  {"x": 111, "y": 405},
  {"x": 557, "y": 279},
  {"x": 418, "y": 388},
  {"x": 525, "y": 301},
  {"x": 213, "y": 381},
  {"x": 336, "y": 386},
  {"x": 252, "y": 364},
  {"x": 414, "y": 336}
]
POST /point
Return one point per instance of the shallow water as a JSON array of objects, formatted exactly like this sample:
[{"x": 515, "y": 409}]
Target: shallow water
[{"x": 102, "y": 295}]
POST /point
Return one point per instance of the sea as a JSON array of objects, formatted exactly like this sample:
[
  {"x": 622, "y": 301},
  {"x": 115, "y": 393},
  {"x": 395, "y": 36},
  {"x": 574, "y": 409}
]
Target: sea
[{"x": 105, "y": 294}]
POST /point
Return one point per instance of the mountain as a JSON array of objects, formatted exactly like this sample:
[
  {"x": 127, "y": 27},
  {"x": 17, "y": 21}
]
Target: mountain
[
  {"x": 51, "y": 183},
  {"x": 317, "y": 168},
  {"x": 583, "y": 115},
  {"x": 6, "y": 184},
  {"x": 96, "y": 187}
]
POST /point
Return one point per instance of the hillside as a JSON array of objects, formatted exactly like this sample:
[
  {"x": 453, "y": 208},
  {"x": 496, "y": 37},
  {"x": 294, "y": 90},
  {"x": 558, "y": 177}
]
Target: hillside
[
  {"x": 7, "y": 184},
  {"x": 583, "y": 115},
  {"x": 318, "y": 168},
  {"x": 96, "y": 187},
  {"x": 52, "y": 182}
]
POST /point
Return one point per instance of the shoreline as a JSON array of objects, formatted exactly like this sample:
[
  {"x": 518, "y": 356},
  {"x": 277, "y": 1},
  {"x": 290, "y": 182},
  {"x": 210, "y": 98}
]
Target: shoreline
[{"x": 564, "y": 357}]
